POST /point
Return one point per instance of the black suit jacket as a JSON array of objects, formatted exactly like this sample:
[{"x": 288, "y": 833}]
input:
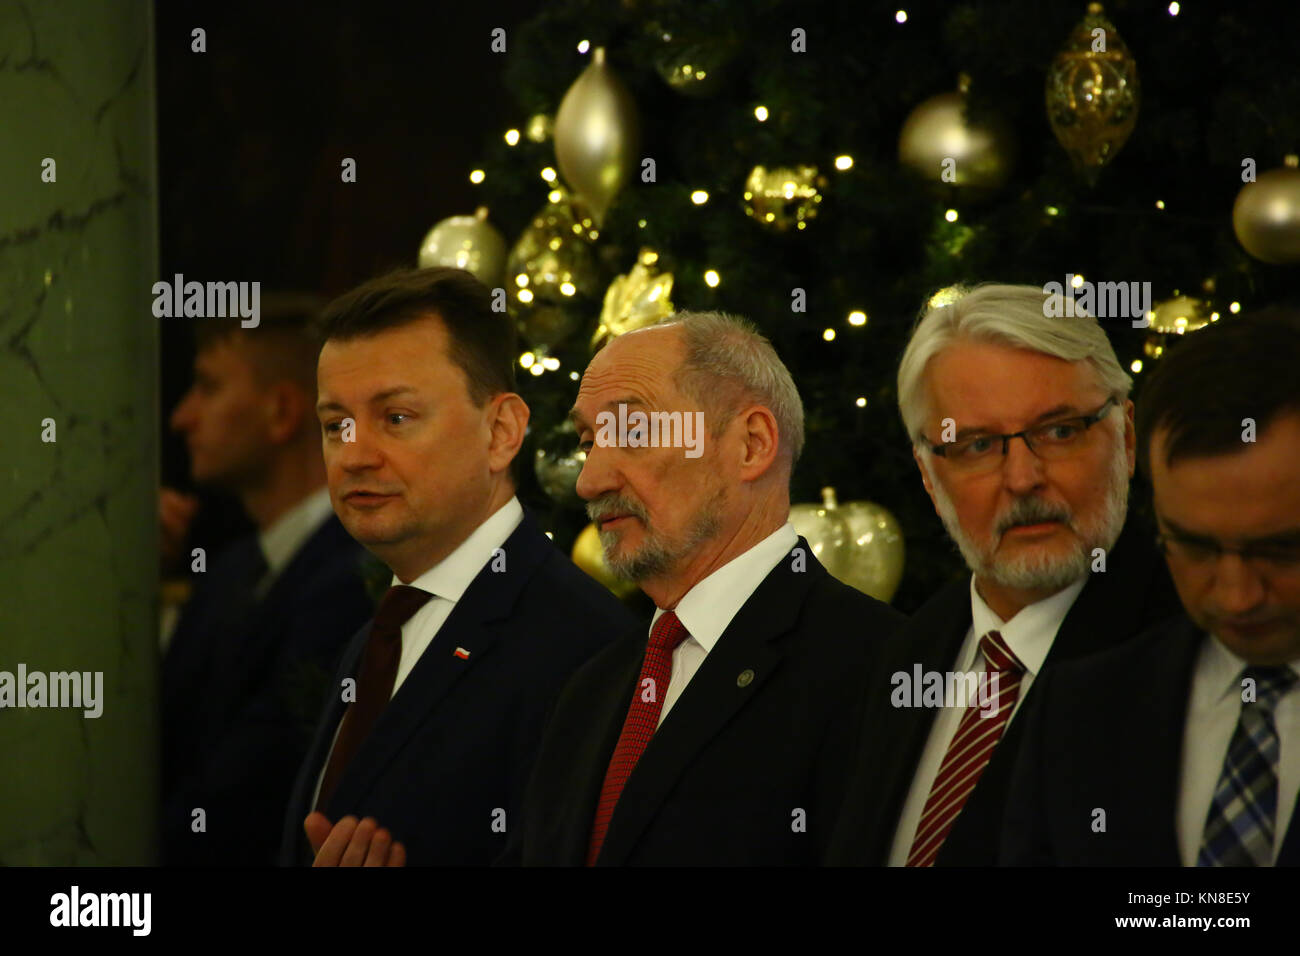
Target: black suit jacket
[
  {"x": 1134, "y": 592},
  {"x": 243, "y": 680},
  {"x": 444, "y": 768},
  {"x": 724, "y": 778},
  {"x": 1107, "y": 733}
]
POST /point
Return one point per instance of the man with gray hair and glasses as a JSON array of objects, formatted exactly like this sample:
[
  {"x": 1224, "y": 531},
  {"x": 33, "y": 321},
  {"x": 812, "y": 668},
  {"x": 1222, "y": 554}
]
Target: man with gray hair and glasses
[{"x": 1022, "y": 430}]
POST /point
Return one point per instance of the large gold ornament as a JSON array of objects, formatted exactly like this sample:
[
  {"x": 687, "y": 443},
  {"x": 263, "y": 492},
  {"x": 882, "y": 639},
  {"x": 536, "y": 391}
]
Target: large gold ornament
[
  {"x": 550, "y": 267},
  {"x": 1176, "y": 316},
  {"x": 943, "y": 145},
  {"x": 597, "y": 135},
  {"x": 1092, "y": 94},
  {"x": 859, "y": 543},
  {"x": 590, "y": 557},
  {"x": 783, "y": 197},
  {"x": 1266, "y": 215},
  {"x": 467, "y": 242},
  {"x": 635, "y": 300}
]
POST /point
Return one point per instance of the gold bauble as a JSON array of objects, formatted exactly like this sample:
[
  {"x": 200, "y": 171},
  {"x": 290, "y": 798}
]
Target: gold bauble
[
  {"x": 597, "y": 135},
  {"x": 1266, "y": 215},
  {"x": 859, "y": 543},
  {"x": 551, "y": 266},
  {"x": 635, "y": 300},
  {"x": 466, "y": 242},
  {"x": 944, "y": 146},
  {"x": 1176, "y": 316},
  {"x": 590, "y": 557},
  {"x": 1092, "y": 93},
  {"x": 783, "y": 197}
]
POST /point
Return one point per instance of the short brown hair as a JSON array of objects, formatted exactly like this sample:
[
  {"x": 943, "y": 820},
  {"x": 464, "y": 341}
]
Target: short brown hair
[
  {"x": 283, "y": 345},
  {"x": 482, "y": 341}
]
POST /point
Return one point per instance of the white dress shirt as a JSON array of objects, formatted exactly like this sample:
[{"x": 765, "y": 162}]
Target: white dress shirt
[
  {"x": 1029, "y": 634},
  {"x": 446, "y": 581},
  {"x": 706, "y": 609},
  {"x": 1213, "y": 709},
  {"x": 289, "y": 532}
]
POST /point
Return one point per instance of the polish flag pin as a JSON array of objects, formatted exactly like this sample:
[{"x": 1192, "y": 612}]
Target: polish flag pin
[{"x": 462, "y": 653}]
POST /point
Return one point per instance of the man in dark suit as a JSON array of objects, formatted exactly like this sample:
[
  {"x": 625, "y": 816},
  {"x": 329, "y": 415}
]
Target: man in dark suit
[
  {"x": 432, "y": 726},
  {"x": 1183, "y": 746},
  {"x": 251, "y": 656},
  {"x": 1023, "y": 434},
  {"x": 723, "y": 738}
]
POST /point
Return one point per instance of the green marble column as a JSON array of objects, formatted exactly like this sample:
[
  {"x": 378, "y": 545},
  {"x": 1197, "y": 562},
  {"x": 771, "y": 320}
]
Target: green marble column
[{"x": 78, "y": 364}]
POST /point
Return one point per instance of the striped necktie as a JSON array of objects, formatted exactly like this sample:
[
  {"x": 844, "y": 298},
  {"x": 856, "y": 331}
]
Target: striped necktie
[
  {"x": 1240, "y": 825},
  {"x": 978, "y": 733}
]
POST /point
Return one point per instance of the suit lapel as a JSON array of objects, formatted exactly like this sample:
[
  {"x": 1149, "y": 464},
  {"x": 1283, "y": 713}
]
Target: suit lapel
[
  {"x": 713, "y": 697},
  {"x": 476, "y": 624}
]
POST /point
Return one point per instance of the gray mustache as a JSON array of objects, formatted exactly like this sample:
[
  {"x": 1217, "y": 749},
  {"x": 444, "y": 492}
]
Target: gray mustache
[{"x": 1032, "y": 511}]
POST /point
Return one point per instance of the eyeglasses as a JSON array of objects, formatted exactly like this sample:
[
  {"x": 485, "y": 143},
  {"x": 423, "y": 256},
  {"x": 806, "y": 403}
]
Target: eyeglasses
[
  {"x": 1050, "y": 442},
  {"x": 1270, "y": 558}
]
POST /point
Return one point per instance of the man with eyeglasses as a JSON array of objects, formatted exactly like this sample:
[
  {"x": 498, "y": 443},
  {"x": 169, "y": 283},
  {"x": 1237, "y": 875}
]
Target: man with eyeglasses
[
  {"x": 1183, "y": 745},
  {"x": 1023, "y": 434}
]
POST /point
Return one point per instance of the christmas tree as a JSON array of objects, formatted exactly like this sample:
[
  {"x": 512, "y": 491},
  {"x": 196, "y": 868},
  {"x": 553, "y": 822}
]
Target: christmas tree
[{"x": 904, "y": 149}]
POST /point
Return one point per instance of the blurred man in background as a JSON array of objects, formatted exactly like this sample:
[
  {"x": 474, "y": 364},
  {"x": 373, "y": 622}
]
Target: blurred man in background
[{"x": 249, "y": 662}]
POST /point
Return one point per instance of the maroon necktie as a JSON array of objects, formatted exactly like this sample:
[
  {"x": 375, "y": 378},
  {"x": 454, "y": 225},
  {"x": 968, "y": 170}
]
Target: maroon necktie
[
  {"x": 375, "y": 682},
  {"x": 642, "y": 719},
  {"x": 969, "y": 753}
]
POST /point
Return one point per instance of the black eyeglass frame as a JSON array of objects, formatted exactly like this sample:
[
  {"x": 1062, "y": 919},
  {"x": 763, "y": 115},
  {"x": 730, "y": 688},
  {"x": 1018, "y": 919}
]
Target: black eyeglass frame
[{"x": 1087, "y": 422}]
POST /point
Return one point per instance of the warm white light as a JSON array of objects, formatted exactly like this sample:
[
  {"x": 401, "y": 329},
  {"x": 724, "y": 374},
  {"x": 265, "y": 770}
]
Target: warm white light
[
  {"x": 901, "y": 16},
  {"x": 568, "y": 288},
  {"x": 555, "y": 195},
  {"x": 844, "y": 162},
  {"x": 1077, "y": 282},
  {"x": 526, "y": 360},
  {"x": 1051, "y": 210},
  {"x": 829, "y": 335},
  {"x": 583, "y": 46},
  {"x": 476, "y": 176},
  {"x": 521, "y": 280},
  {"x": 537, "y": 368},
  {"x": 857, "y": 317},
  {"x": 551, "y": 363},
  {"x": 512, "y": 137},
  {"x": 711, "y": 279},
  {"x": 699, "y": 197},
  {"x": 951, "y": 215},
  {"x": 1234, "y": 308},
  {"x": 548, "y": 174},
  {"x": 760, "y": 112},
  {"x": 574, "y": 375},
  {"x": 1136, "y": 366},
  {"x": 861, "y": 403},
  {"x": 640, "y": 223},
  {"x": 525, "y": 296},
  {"x": 1160, "y": 204},
  {"x": 1174, "y": 8}
]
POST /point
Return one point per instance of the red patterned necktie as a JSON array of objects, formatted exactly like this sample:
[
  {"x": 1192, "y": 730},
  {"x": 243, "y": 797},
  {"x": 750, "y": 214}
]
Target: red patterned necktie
[
  {"x": 375, "y": 681},
  {"x": 969, "y": 752},
  {"x": 642, "y": 719}
]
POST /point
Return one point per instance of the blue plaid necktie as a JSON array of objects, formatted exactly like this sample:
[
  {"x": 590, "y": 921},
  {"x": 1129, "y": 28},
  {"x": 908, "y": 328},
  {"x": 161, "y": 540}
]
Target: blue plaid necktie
[{"x": 1239, "y": 827}]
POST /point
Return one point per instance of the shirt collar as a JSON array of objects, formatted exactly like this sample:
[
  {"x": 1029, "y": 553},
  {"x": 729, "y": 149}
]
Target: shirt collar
[
  {"x": 282, "y": 539},
  {"x": 1222, "y": 668},
  {"x": 452, "y": 575},
  {"x": 706, "y": 609},
  {"x": 1029, "y": 633}
]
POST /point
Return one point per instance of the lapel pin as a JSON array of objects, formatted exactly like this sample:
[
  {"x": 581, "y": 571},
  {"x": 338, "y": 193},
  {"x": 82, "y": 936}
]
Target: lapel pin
[
  {"x": 461, "y": 653},
  {"x": 746, "y": 678}
]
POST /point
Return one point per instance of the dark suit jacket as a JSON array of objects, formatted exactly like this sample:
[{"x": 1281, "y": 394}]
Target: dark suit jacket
[
  {"x": 1134, "y": 593},
  {"x": 722, "y": 779},
  {"x": 243, "y": 680},
  {"x": 444, "y": 768},
  {"x": 1107, "y": 732}
]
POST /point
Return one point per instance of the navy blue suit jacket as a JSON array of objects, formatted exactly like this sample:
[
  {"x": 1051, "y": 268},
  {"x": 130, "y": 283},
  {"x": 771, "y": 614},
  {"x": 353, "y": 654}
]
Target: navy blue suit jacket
[
  {"x": 445, "y": 766},
  {"x": 750, "y": 765},
  {"x": 1106, "y": 732},
  {"x": 242, "y": 681}
]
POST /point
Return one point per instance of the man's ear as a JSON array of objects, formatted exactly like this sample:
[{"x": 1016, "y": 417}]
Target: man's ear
[
  {"x": 286, "y": 407},
  {"x": 507, "y": 419},
  {"x": 925, "y": 476},
  {"x": 760, "y": 442}
]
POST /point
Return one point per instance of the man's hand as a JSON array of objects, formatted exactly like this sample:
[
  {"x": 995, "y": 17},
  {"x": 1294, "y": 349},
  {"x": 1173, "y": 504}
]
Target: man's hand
[
  {"x": 175, "y": 514},
  {"x": 349, "y": 843}
]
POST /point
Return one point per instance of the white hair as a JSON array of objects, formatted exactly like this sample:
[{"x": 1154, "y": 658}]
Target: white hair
[
  {"x": 1013, "y": 315},
  {"x": 728, "y": 363}
]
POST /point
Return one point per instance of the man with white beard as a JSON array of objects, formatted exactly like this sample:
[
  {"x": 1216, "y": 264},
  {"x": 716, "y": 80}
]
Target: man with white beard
[{"x": 1022, "y": 429}]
